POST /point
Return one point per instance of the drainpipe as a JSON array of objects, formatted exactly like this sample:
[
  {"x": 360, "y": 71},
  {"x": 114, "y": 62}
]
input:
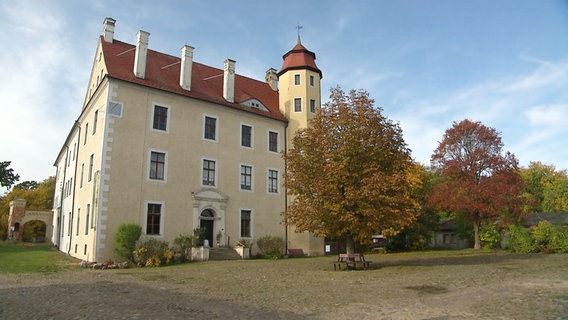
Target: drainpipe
[{"x": 286, "y": 190}]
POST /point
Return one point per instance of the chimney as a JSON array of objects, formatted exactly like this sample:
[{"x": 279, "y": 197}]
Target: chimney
[
  {"x": 272, "y": 79},
  {"x": 229, "y": 80},
  {"x": 185, "y": 70},
  {"x": 108, "y": 29},
  {"x": 141, "y": 52}
]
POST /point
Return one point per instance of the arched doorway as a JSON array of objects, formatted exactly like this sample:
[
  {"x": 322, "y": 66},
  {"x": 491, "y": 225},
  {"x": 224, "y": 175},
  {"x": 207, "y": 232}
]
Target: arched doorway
[{"x": 206, "y": 221}]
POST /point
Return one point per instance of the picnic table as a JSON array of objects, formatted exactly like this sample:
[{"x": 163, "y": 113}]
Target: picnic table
[{"x": 351, "y": 261}]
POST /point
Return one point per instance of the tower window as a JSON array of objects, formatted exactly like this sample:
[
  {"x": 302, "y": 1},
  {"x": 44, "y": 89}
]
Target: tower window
[
  {"x": 312, "y": 105},
  {"x": 312, "y": 80},
  {"x": 297, "y": 104},
  {"x": 297, "y": 80}
]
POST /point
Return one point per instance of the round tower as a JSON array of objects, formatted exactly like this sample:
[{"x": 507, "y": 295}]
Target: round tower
[{"x": 300, "y": 92}]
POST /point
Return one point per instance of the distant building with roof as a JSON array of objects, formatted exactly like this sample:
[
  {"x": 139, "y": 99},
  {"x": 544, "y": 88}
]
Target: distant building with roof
[{"x": 174, "y": 145}]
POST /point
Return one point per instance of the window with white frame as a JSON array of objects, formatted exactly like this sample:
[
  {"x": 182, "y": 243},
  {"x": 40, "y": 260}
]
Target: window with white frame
[
  {"x": 86, "y": 135},
  {"x": 95, "y": 120},
  {"x": 246, "y": 224},
  {"x": 246, "y": 136},
  {"x": 157, "y": 165},
  {"x": 297, "y": 81},
  {"x": 297, "y": 104},
  {"x": 208, "y": 172},
  {"x": 91, "y": 160},
  {"x": 272, "y": 181},
  {"x": 246, "y": 177},
  {"x": 153, "y": 218},
  {"x": 272, "y": 141},
  {"x": 312, "y": 81},
  {"x": 160, "y": 118},
  {"x": 312, "y": 105},
  {"x": 210, "y": 128}
]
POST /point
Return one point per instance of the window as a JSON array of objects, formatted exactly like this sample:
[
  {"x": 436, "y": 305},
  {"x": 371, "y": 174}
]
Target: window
[
  {"x": 311, "y": 80},
  {"x": 115, "y": 109},
  {"x": 246, "y": 136},
  {"x": 208, "y": 172},
  {"x": 95, "y": 120},
  {"x": 81, "y": 178},
  {"x": 272, "y": 141},
  {"x": 89, "y": 211},
  {"x": 272, "y": 181},
  {"x": 245, "y": 223},
  {"x": 312, "y": 105},
  {"x": 86, "y": 131},
  {"x": 87, "y": 222},
  {"x": 297, "y": 80},
  {"x": 246, "y": 177},
  {"x": 157, "y": 165},
  {"x": 90, "y": 176},
  {"x": 160, "y": 118},
  {"x": 78, "y": 222},
  {"x": 297, "y": 104},
  {"x": 153, "y": 217},
  {"x": 69, "y": 224},
  {"x": 210, "y": 128}
]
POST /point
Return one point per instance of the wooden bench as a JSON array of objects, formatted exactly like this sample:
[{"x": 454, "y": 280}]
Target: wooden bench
[
  {"x": 351, "y": 261},
  {"x": 296, "y": 253}
]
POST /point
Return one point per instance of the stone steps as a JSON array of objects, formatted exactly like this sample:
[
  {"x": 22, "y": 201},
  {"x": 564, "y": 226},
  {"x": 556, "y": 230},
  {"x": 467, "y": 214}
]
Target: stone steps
[{"x": 223, "y": 254}]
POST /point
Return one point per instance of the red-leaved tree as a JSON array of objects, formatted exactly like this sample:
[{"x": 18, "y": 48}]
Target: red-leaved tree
[{"x": 478, "y": 179}]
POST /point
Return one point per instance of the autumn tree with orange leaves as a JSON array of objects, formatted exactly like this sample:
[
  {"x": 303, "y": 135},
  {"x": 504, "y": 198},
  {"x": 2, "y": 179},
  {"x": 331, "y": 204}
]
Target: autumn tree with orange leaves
[
  {"x": 478, "y": 179},
  {"x": 350, "y": 173}
]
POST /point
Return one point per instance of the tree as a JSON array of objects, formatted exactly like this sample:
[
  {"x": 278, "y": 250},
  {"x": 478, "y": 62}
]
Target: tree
[
  {"x": 349, "y": 173},
  {"x": 27, "y": 185},
  {"x": 7, "y": 176},
  {"x": 545, "y": 187},
  {"x": 39, "y": 198},
  {"x": 478, "y": 180}
]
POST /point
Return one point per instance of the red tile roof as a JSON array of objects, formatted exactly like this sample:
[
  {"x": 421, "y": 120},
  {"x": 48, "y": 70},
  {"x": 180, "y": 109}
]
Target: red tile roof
[
  {"x": 299, "y": 58},
  {"x": 163, "y": 71}
]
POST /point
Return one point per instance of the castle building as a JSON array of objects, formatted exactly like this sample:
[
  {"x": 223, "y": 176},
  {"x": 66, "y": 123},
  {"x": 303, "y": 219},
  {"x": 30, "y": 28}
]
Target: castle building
[{"x": 173, "y": 145}]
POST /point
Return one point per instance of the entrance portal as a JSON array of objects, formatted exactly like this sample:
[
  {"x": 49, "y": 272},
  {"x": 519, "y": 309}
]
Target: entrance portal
[{"x": 206, "y": 221}]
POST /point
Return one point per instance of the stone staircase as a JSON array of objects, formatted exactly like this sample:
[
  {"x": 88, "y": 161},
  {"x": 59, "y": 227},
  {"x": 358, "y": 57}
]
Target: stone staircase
[{"x": 223, "y": 254}]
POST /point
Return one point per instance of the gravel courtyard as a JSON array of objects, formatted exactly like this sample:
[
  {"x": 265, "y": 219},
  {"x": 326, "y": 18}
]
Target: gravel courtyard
[{"x": 399, "y": 286}]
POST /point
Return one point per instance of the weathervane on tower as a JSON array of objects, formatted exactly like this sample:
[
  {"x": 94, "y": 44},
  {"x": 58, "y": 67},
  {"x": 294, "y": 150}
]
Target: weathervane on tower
[{"x": 299, "y": 27}]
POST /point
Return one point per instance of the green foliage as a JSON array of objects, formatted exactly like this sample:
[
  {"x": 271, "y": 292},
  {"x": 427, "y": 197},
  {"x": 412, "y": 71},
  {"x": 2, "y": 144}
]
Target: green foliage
[
  {"x": 351, "y": 172},
  {"x": 125, "y": 239},
  {"x": 545, "y": 187},
  {"x": 521, "y": 240},
  {"x": 489, "y": 236},
  {"x": 182, "y": 247},
  {"x": 7, "y": 175},
  {"x": 38, "y": 198},
  {"x": 271, "y": 247},
  {"x": 199, "y": 236},
  {"x": 153, "y": 253},
  {"x": 34, "y": 231}
]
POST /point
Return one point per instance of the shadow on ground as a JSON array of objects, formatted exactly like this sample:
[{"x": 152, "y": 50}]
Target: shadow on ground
[{"x": 107, "y": 300}]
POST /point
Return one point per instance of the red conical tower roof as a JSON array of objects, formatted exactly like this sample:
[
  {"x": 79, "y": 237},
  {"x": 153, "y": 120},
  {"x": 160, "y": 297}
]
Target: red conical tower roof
[{"x": 299, "y": 58}]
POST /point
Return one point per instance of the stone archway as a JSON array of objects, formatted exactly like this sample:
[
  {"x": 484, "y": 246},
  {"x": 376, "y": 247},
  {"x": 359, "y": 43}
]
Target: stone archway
[
  {"x": 209, "y": 209},
  {"x": 19, "y": 216}
]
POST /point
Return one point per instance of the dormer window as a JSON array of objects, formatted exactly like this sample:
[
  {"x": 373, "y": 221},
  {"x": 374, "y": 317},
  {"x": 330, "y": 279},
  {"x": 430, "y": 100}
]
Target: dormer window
[{"x": 253, "y": 103}]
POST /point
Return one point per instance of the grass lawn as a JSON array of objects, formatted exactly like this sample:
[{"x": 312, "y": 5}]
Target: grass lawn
[{"x": 31, "y": 257}]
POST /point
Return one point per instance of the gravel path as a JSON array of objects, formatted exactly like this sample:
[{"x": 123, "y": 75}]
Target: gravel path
[{"x": 491, "y": 286}]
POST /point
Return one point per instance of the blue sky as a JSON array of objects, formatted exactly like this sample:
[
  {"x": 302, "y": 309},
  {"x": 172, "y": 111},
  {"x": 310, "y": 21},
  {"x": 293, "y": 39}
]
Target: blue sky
[{"x": 427, "y": 63}]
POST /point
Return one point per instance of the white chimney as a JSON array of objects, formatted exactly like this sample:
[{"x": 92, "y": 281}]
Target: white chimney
[
  {"x": 229, "y": 80},
  {"x": 186, "y": 64},
  {"x": 141, "y": 52},
  {"x": 272, "y": 78},
  {"x": 108, "y": 29}
]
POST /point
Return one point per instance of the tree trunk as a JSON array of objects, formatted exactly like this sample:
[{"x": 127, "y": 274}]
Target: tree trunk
[
  {"x": 477, "y": 239},
  {"x": 349, "y": 244}
]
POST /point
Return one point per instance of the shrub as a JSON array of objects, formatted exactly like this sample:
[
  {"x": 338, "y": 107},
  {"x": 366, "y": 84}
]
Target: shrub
[
  {"x": 199, "y": 236},
  {"x": 489, "y": 236},
  {"x": 152, "y": 253},
  {"x": 543, "y": 233},
  {"x": 182, "y": 247},
  {"x": 271, "y": 247},
  {"x": 560, "y": 240},
  {"x": 125, "y": 238},
  {"x": 521, "y": 240}
]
